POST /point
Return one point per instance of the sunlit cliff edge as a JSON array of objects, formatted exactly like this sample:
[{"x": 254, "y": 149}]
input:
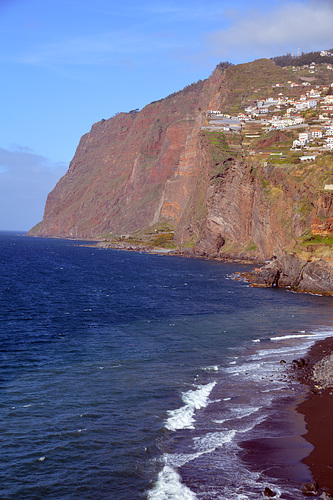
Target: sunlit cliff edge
[{"x": 209, "y": 172}]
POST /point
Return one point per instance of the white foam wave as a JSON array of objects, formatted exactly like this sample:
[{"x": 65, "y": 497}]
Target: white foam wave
[
  {"x": 180, "y": 459},
  {"x": 238, "y": 413},
  {"x": 213, "y": 368},
  {"x": 214, "y": 440},
  {"x": 169, "y": 486},
  {"x": 295, "y": 336},
  {"x": 183, "y": 418}
]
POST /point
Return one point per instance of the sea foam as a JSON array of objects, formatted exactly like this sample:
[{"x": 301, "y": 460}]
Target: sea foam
[
  {"x": 183, "y": 418},
  {"x": 168, "y": 485}
]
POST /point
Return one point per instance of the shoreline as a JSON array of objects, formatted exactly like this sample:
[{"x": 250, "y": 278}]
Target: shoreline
[
  {"x": 176, "y": 252},
  {"x": 302, "y": 451},
  {"x": 289, "y": 272},
  {"x": 316, "y": 372}
]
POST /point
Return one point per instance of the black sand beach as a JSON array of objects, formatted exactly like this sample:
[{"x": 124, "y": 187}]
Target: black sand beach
[{"x": 318, "y": 412}]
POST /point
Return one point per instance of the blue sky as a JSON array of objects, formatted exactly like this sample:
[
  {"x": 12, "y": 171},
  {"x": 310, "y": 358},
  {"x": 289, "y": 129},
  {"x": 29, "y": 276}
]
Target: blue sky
[{"x": 66, "y": 64}]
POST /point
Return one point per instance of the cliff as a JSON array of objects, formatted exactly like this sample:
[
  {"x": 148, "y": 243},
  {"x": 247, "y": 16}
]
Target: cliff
[{"x": 169, "y": 175}]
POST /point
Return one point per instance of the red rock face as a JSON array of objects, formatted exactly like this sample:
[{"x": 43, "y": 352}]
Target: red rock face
[
  {"x": 322, "y": 228},
  {"x": 132, "y": 170},
  {"x": 140, "y": 168}
]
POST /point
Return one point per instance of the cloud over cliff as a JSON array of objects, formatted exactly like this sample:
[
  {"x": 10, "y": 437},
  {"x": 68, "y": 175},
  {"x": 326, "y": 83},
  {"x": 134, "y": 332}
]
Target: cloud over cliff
[{"x": 274, "y": 32}]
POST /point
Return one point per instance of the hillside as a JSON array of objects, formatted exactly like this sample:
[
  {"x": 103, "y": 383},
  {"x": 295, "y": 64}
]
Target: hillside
[{"x": 237, "y": 166}]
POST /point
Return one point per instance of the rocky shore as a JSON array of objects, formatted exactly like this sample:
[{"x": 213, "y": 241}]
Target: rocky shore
[
  {"x": 289, "y": 271},
  {"x": 316, "y": 371},
  {"x": 180, "y": 252}
]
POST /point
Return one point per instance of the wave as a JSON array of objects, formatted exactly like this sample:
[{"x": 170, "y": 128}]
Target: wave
[
  {"x": 169, "y": 485},
  {"x": 183, "y": 418},
  {"x": 294, "y": 336}
]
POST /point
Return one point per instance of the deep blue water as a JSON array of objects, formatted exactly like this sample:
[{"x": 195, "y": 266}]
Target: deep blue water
[{"x": 125, "y": 375}]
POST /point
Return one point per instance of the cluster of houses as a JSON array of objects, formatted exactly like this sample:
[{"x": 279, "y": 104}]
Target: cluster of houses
[
  {"x": 312, "y": 67},
  {"x": 325, "y": 134},
  {"x": 282, "y": 112},
  {"x": 308, "y": 100}
]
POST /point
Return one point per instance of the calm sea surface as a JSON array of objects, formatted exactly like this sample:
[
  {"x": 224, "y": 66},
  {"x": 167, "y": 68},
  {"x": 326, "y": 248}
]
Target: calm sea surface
[{"x": 131, "y": 376}]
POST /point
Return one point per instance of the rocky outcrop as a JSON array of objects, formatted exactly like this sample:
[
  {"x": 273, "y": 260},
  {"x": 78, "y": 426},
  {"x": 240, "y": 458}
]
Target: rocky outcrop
[
  {"x": 289, "y": 271},
  {"x": 322, "y": 228}
]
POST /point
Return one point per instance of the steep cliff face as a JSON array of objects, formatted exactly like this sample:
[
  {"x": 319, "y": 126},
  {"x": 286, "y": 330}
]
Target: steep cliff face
[
  {"x": 138, "y": 168},
  {"x": 163, "y": 164},
  {"x": 263, "y": 211},
  {"x": 132, "y": 170}
]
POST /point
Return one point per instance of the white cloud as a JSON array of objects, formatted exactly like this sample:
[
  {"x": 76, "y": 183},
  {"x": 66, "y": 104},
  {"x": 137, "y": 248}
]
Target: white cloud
[
  {"x": 26, "y": 178},
  {"x": 261, "y": 34}
]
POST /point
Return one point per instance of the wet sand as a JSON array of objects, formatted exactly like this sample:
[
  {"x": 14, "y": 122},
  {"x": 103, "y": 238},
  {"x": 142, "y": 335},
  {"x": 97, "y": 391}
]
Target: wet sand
[
  {"x": 281, "y": 456},
  {"x": 318, "y": 411},
  {"x": 302, "y": 454}
]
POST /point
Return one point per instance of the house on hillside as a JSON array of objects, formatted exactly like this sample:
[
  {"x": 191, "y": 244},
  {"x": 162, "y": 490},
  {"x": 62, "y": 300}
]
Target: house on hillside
[
  {"x": 303, "y": 138},
  {"x": 316, "y": 133},
  {"x": 308, "y": 157},
  {"x": 328, "y": 99},
  {"x": 302, "y": 141},
  {"x": 312, "y": 103},
  {"x": 314, "y": 93},
  {"x": 270, "y": 101}
]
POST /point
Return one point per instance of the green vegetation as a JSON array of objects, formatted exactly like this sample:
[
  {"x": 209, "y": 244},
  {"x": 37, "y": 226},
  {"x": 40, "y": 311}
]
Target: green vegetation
[
  {"x": 305, "y": 207},
  {"x": 310, "y": 240},
  {"x": 250, "y": 247},
  {"x": 160, "y": 235},
  {"x": 256, "y": 75},
  {"x": 223, "y": 150}
]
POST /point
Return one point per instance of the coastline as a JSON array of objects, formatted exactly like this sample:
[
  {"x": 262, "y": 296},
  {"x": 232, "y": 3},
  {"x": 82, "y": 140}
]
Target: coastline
[
  {"x": 317, "y": 408},
  {"x": 302, "y": 374},
  {"x": 288, "y": 271}
]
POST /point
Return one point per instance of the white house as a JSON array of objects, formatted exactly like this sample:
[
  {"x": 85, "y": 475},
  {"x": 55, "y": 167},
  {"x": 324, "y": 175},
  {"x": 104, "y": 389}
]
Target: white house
[
  {"x": 317, "y": 134},
  {"x": 314, "y": 93},
  {"x": 298, "y": 120},
  {"x": 308, "y": 157},
  {"x": 312, "y": 103},
  {"x": 303, "y": 138}
]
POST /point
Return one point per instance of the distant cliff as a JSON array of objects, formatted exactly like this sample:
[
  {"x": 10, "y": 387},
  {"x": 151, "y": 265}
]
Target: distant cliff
[{"x": 164, "y": 171}]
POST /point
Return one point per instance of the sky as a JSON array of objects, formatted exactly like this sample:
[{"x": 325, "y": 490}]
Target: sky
[{"x": 66, "y": 64}]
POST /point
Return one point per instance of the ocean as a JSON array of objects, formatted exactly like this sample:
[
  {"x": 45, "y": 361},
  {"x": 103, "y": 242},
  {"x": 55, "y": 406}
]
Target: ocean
[{"x": 132, "y": 376}]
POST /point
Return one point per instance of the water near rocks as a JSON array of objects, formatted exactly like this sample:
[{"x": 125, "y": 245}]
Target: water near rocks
[{"x": 128, "y": 376}]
